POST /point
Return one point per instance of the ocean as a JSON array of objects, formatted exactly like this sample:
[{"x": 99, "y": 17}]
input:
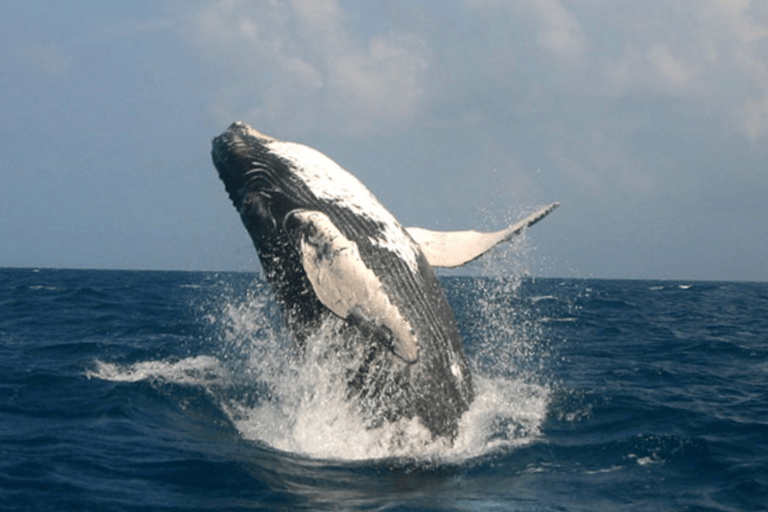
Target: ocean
[{"x": 171, "y": 391}]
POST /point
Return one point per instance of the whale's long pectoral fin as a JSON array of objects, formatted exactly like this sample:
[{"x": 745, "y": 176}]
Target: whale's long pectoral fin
[
  {"x": 455, "y": 248},
  {"x": 345, "y": 285}
]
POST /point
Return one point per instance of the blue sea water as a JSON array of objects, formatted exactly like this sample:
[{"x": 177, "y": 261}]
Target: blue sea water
[{"x": 166, "y": 391}]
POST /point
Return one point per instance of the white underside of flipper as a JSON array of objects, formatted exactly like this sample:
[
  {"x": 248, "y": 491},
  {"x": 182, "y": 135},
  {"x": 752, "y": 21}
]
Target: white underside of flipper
[
  {"x": 346, "y": 286},
  {"x": 450, "y": 249}
]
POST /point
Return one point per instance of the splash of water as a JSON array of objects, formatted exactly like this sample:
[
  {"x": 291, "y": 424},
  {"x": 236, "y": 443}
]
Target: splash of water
[
  {"x": 308, "y": 412},
  {"x": 299, "y": 404}
]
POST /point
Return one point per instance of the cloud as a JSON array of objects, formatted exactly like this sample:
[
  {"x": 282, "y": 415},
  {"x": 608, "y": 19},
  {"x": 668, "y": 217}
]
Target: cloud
[
  {"x": 300, "y": 61},
  {"x": 716, "y": 55},
  {"x": 560, "y": 33},
  {"x": 754, "y": 116},
  {"x": 558, "y": 30},
  {"x": 311, "y": 62},
  {"x": 747, "y": 57},
  {"x": 712, "y": 53},
  {"x": 654, "y": 69}
]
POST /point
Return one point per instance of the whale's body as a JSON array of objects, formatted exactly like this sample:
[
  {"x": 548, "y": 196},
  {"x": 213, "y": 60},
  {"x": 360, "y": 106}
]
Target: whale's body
[{"x": 339, "y": 261}]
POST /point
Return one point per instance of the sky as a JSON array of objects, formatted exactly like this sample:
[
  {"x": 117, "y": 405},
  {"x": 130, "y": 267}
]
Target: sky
[{"x": 647, "y": 121}]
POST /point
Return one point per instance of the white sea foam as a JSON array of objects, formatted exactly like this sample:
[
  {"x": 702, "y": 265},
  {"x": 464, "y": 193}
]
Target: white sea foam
[
  {"x": 318, "y": 421},
  {"x": 299, "y": 404},
  {"x": 43, "y": 287},
  {"x": 194, "y": 370},
  {"x": 311, "y": 416}
]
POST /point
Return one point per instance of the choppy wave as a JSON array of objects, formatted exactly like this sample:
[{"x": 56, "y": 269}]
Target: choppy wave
[
  {"x": 128, "y": 391},
  {"x": 305, "y": 417},
  {"x": 299, "y": 404}
]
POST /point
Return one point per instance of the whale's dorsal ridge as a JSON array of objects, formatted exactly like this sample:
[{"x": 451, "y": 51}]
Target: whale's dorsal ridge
[{"x": 450, "y": 249}]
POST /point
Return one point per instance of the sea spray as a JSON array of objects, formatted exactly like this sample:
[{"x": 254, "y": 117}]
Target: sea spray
[
  {"x": 297, "y": 400},
  {"x": 661, "y": 394}
]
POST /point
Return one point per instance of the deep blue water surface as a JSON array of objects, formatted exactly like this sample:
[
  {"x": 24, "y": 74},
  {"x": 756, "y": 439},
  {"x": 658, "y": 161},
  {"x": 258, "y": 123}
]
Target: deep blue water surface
[{"x": 179, "y": 391}]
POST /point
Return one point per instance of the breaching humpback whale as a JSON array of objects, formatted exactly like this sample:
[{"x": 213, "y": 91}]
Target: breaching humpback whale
[{"x": 338, "y": 260}]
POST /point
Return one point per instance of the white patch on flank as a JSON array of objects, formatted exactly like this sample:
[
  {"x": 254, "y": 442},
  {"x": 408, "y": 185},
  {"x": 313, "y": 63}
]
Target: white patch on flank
[{"x": 330, "y": 182}]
